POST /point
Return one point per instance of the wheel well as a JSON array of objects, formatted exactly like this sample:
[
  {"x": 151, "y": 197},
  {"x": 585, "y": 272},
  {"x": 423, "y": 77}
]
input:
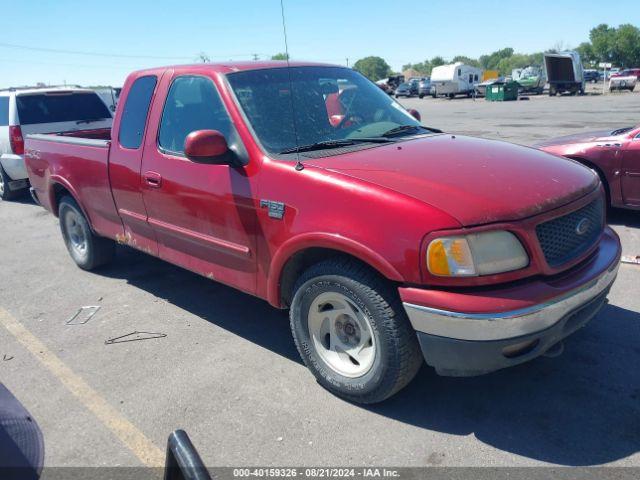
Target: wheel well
[
  {"x": 59, "y": 191},
  {"x": 598, "y": 170},
  {"x": 304, "y": 259}
]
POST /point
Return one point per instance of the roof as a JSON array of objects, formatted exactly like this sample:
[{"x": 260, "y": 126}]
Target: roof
[
  {"x": 231, "y": 67},
  {"x": 53, "y": 88}
]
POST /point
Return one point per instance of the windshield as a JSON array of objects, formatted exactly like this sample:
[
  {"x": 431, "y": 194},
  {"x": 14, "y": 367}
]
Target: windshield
[
  {"x": 330, "y": 103},
  {"x": 53, "y": 107}
]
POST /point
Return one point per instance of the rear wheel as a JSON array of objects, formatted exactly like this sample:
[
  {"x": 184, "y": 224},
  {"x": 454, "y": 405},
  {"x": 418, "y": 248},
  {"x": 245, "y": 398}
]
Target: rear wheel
[
  {"x": 5, "y": 192},
  {"x": 87, "y": 249},
  {"x": 352, "y": 332}
]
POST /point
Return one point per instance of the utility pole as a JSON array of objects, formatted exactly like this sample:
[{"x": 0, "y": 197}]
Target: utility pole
[
  {"x": 256, "y": 57},
  {"x": 347, "y": 61}
]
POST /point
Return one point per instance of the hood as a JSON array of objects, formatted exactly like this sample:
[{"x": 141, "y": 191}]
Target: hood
[
  {"x": 587, "y": 137},
  {"x": 476, "y": 181}
]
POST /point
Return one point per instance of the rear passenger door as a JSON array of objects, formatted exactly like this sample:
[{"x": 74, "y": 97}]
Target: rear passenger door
[
  {"x": 203, "y": 215},
  {"x": 125, "y": 159}
]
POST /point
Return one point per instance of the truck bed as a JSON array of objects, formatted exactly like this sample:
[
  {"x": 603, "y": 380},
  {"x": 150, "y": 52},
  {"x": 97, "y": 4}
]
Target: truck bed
[{"x": 77, "y": 164}]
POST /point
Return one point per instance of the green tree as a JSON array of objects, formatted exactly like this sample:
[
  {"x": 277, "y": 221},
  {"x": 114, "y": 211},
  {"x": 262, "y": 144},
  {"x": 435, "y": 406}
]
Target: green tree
[
  {"x": 466, "y": 60},
  {"x": 603, "y": 39},
  {"x": 280, "y": 56},
  {"x": 587, "y": 54},
  {"x": 491, "y": 61},
  {"x": 374, "y": 68},
  {"x": 626, "y": 49},
  {"x": 437, "y": 62}
]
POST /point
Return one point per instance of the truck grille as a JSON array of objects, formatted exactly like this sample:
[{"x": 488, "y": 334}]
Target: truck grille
[{"x": 566, "y": 238}]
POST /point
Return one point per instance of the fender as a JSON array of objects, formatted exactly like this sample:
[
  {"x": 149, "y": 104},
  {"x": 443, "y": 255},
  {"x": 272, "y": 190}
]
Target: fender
[
  {"x": 323, "y": 240},
  {"x": 51, "y": 194}
]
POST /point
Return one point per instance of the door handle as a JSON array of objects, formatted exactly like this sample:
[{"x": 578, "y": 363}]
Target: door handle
[{"x": 153, "y": 179}]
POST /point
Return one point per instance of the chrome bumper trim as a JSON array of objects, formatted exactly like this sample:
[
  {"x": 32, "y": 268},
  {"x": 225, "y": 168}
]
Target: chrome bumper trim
[{"x": 510, "y": 324}]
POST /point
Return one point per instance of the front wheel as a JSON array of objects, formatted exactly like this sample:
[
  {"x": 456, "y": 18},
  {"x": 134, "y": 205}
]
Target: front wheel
[
  {"x": 87, "y": 249},
  {"x": 352, "y": 332}
]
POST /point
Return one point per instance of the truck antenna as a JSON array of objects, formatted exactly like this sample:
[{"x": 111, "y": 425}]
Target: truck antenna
[{"x": 299, "y": 165}]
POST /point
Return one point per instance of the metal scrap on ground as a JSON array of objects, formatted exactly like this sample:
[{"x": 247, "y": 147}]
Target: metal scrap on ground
[
  {"x": 134, "y": 337},
  {"x": 630, "y": 259},
  {"x": 88, "y": 311}
]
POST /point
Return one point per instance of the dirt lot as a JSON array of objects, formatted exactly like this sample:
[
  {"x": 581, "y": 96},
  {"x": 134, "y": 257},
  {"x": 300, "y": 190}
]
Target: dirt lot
[{"x": 228, "y": 372}]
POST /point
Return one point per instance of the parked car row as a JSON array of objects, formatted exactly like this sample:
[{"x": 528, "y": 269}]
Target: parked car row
[{"x": 449, "y": 251}]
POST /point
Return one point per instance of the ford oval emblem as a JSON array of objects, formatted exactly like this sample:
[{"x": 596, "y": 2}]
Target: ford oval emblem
[{"x": 583, "y": 226}]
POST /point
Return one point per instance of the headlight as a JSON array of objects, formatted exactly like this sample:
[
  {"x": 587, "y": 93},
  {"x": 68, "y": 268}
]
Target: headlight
[{"x": 477, "y": 254}]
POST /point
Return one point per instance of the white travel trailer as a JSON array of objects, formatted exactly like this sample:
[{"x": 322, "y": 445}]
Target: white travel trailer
[{"x": 455, "y": 79}]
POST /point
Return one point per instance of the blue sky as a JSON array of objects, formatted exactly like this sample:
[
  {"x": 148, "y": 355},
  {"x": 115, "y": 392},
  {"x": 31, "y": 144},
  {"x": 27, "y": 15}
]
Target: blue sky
[{"x": 167, "y": 32}]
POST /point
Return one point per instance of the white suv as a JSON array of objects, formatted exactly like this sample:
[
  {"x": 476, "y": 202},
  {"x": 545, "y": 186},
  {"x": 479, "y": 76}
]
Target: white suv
[{"x": 41, "y": 110}]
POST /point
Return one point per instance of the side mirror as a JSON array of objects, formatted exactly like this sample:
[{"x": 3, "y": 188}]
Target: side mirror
[
  {"x": 206, "y": 146},
  {"x": 415, "y": 114}
]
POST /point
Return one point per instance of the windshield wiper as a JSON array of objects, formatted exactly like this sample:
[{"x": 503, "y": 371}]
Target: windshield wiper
[
  {"x": 407, "y": 129},
  {"x": 89, "y": 120},
  {"x": 620, "y": 131},
  {"x": 327, "y": 144}
]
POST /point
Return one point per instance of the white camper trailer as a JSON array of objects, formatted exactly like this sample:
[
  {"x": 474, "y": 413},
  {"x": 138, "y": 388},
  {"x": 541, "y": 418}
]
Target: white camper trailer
[{"x": 455, "y": 79}]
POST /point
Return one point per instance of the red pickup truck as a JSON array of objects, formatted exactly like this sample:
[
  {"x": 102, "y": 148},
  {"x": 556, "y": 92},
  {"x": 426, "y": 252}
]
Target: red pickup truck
[{"x": 388, "y": 241}]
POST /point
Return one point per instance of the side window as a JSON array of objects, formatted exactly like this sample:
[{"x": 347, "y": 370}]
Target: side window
[
  {"x": 4, "y": 111},
  {"x": 192, "y": 104},
  {"x": 136, "y": 108},
  {"x": 459, "y": 72}
]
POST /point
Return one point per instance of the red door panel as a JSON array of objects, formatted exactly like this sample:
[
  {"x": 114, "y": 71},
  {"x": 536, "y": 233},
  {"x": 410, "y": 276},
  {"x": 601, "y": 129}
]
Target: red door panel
[
  {"x": 203, "y": 215},
  {"x": 630, "y": 173},
  {"x": 125, "y": 160}
]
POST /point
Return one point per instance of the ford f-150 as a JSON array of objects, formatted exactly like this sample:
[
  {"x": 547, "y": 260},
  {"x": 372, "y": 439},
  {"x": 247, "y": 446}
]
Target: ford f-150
[{"x": 306, "y": 185}]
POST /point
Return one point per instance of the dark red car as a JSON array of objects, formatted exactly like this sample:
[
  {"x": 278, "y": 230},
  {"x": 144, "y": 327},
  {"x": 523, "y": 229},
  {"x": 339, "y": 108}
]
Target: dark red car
[
  {"x": 629, "y": 72},
  {"x": 613, "y": 155},
  {"x": 308, "y": 187}
]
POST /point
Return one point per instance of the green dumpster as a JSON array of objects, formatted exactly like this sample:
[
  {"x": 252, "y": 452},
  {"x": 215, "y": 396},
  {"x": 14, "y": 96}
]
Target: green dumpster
[{"x": 502, "y": 92}]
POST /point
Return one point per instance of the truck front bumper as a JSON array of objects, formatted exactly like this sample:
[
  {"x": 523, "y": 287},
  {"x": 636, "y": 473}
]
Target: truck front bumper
[{"x": 480, "y": 339}]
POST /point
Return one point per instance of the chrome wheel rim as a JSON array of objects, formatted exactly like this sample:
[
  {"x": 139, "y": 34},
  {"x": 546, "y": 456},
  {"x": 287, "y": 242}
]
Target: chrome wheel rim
[
  {"x": 341, "y": 334},
  {"x": 75, "y": 233},
  {"x": 1, "y": 184}
]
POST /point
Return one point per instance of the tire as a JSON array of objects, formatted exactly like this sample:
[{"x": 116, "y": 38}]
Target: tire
[
  {"x": 374, "y": 323},
  {"x": 421, "y": 96},
  {"x": 397, "y": 96},
  {"x": 87, "y": 249},
  {"x": 5, "y": 192}
]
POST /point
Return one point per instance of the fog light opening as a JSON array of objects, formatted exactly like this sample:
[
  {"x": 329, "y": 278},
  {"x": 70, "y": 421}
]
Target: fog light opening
[{"x": 519, "y": 349}]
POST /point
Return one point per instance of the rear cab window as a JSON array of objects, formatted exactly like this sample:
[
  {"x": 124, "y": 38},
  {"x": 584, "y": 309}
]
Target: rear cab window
[
  {"x": 136, "y": 109},
  {"x": 57, "y": 107}
]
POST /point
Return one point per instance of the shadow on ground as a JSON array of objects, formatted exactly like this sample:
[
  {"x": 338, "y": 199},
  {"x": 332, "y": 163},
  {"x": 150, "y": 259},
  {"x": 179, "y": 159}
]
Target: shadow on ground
[
  {"x": 628, "y": 218},
  {"x": 582, "y": 408}
]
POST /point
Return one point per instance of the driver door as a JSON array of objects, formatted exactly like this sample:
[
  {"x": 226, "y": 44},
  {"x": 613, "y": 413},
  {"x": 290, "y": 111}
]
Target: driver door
[
  {"x": 630, "y": 173},
  {"x": 203, "y": 215}
]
